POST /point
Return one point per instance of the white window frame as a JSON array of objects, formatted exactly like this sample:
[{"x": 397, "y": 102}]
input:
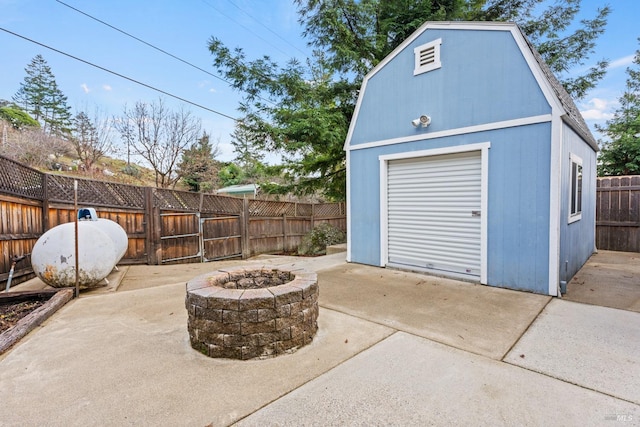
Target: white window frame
[
  {"x": 419, "y": 69},
  {"x": 575, "y": 188}
]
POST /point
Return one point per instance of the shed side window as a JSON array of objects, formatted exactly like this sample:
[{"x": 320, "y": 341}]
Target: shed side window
[
  {"x": 427, "y": 57},
  {"x": 575, "y": 207}
]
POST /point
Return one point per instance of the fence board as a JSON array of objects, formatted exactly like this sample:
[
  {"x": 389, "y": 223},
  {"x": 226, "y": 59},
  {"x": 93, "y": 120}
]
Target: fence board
[
  {"x": 32, "y": 202},
  {"x": 618, "y": 213}
]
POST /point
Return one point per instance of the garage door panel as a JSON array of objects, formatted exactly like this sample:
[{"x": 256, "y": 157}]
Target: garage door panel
[{"x": 433, "y": 212}]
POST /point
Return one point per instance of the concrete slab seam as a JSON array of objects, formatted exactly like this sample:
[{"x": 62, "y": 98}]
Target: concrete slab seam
[
  {"x": 323, "y": 373},
  {"x": 409, "y": 332},
  {"x": 526, "y": 329},
  {"x": 571, "y": 382}
]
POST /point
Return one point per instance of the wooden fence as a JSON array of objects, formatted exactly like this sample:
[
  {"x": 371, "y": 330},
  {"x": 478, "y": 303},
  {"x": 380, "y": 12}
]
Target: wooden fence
[
  {"x": 618, "y": 213},
  {"x": 163, "y": 226}
]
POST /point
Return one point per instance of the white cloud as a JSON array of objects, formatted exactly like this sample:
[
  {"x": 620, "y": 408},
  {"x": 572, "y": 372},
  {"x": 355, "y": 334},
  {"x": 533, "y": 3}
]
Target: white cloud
[
  {"x": 85, "y": 88},
  {"x": 621, "y": 62},
  {"x": 598, "y": 109},
  {"x": 212, "y": 90},
  {"x": 107, "y": 88}
]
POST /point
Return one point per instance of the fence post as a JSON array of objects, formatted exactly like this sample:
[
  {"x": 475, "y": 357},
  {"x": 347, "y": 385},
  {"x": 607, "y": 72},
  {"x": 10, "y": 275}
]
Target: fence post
[
  {"x": 313, "y": 215},
  {"x": 153, "y": 228},
  {"x": 284, "y": 233},
  {"x": 245, "y": 239},
  {"x": 45, "y": 203}
]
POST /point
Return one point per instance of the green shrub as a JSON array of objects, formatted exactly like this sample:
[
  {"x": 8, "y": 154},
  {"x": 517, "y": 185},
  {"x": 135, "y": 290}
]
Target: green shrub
[
  {"x": 131, "y": 170},
  {"x": 18, "y": 118},
  {"x": 316, "y": 241}
]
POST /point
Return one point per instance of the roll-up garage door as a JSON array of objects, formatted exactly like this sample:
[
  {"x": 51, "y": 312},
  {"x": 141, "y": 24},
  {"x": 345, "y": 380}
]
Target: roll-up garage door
[{"x": 434, "y": 212}]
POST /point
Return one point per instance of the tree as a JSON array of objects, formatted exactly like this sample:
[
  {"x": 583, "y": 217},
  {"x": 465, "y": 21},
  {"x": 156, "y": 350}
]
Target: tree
[
  {"x": 198, "y": 167},
  {"x": 18, "y": 118},
  {"x": 230, "y": 174},
  {"x": 304, "y": 110},
  {"x": 621, "y": 154},
  {"x": 357, "y": 35},
  {"x": 90, "y": 138},
  {"x": 159, "y": 136},
  {"x": 248, "y": 154},
  {"x": 40, "y": 96},
  {"x": 33, "y": 147}
]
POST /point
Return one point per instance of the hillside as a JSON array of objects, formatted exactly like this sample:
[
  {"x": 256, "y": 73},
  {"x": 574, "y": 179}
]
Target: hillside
[{"x": 54, "y": 155}]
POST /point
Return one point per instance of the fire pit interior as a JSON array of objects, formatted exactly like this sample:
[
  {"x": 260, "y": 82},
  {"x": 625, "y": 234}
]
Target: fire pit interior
[{"x": 252, "y": 311}]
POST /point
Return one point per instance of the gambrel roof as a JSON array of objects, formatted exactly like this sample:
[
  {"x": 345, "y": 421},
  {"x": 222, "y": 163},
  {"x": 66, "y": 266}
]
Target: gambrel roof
[
  {"x": 555, "y": 94},
  {"x": 573, "y": 117}
]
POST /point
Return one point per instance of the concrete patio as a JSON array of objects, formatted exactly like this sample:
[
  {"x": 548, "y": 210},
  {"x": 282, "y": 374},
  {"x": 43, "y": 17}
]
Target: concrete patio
[{"x": 393, "y": 348}]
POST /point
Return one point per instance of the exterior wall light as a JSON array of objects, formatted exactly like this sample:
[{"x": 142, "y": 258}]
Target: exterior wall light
[{"x": 423, "y": 121}]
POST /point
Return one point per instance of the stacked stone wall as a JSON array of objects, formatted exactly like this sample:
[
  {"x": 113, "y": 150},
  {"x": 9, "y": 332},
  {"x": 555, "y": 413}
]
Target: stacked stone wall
[{"x": 252, "y": 312}]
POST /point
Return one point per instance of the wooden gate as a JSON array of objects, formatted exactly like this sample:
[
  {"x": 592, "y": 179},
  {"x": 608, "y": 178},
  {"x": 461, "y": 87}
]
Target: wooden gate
[
  {"x": 180, "y": 237},
  {"x": 221, "y": 237}
]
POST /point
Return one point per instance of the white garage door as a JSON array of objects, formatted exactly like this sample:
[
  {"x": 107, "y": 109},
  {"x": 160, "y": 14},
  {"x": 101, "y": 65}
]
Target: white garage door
[{"x": 434, "y": 212}]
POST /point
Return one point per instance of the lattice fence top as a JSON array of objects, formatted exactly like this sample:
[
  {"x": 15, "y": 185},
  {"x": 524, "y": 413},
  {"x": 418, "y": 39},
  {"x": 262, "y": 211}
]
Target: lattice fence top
[
  {"x": 98, "y": 193},
  {"x": 23, "y": 181},
  {"x": 221, "y": 204},
  {"x": 304, "y": 209},
  {"x": 268, "y": 208},
  {"x": 179, "y": 200},
  {"x": 20, "y": 180},
  {"x": 329, "y": 210}
]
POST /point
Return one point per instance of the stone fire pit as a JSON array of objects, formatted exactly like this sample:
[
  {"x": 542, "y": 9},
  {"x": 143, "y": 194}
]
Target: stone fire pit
[{"x": 252, "y": 311}]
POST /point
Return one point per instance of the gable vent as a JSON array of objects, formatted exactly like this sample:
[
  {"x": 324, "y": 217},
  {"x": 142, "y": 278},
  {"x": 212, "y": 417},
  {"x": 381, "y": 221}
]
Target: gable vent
[{"x": 427, "y": 57}]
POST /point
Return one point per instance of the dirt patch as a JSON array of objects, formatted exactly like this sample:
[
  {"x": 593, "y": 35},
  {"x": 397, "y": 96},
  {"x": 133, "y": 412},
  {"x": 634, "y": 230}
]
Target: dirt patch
[
  {"x": 10, "y": 314},
  {"x": 21, "y": 312}
]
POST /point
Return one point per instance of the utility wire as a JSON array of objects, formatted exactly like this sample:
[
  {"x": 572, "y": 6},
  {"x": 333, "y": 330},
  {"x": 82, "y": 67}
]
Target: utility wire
[
  {"x": 153, "y": 46},
  {"x": 120, "y": 75},
  {"x": 268, "y": 29},
  {"x": 248, "y": 29}
]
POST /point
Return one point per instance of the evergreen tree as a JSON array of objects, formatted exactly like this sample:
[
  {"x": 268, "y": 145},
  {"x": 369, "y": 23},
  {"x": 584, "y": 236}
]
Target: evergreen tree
[
  {"x": 40, "y": 96},
  {"x": 198, "y": 167},
  {"x": 230, "y": 174},
  {"x": 309, "y": 107},
  {"x": 248, "y": 154},
  {"x": 621, "y": 154}
]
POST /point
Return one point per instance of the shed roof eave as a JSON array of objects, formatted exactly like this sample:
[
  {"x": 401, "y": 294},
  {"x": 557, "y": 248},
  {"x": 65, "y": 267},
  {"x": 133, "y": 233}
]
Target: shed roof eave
[{"x": 587, "y": 137}]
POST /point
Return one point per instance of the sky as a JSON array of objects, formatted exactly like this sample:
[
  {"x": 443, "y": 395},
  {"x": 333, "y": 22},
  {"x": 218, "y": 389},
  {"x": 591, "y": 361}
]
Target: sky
[{"x": 183, "y": 29}]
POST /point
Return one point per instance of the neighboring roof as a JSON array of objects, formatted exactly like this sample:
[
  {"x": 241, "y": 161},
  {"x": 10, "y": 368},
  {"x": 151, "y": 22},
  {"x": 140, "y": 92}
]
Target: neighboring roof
[
  {"x": 240, "y": 189},
  {"x": 572, "y": 115}
]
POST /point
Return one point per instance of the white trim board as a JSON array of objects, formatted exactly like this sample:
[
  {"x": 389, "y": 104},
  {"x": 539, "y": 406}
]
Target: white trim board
[
  {"x": 555, "y": 196},
  {"x": 544, "y": 118},
  {"x": 541, "y": 79},
  {"x": 348, "y": 166},
  {"x": 483, "y": 147}
]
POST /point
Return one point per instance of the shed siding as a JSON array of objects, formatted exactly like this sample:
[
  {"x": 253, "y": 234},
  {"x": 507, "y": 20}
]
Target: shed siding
[
  {"x": 577, "y": 240},
  {"x": 518, "y": 217},
  {"x": 479, "y": 69}
]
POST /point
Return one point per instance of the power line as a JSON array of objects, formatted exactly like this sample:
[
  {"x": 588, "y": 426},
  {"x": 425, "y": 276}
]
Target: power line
[
  {"x": 246, "y": 28},
  {"x": 267, "y": 28},
  {"x": 119, "y": 75},
  {"x": 155, "y": 47}
]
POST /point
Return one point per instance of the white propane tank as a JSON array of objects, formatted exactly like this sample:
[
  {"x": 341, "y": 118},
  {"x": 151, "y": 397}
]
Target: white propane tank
[
  {"x": 52, "y": 257},
  {"x": 117, "y": 234}
]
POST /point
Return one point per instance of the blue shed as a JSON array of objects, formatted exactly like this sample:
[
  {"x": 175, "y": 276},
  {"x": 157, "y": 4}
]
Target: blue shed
[{"x": 467, "y": 158}]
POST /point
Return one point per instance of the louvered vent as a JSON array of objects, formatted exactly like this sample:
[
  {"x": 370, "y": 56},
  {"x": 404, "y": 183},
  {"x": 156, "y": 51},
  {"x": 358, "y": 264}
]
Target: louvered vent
[{"x": 427, "y": 57}]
